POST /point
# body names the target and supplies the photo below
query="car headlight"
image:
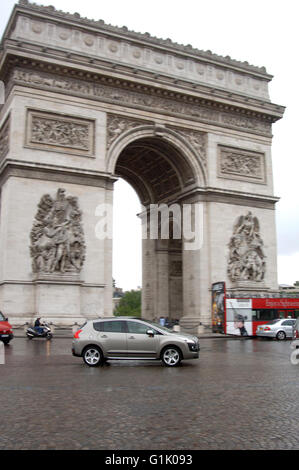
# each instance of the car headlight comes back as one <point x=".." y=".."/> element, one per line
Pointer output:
<point x="192" y="345"/>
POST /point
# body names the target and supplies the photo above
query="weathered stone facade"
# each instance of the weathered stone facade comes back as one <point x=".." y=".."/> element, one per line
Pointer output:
<point x="87" y="102"/>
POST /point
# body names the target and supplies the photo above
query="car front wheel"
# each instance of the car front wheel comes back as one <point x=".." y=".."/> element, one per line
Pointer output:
<point x="171" y="356"/>
<point x="281" y="335"/>
<point x="92" y="356"/>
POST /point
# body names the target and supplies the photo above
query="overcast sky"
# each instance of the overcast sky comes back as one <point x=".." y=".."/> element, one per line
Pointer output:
<point x="261" y="32"/>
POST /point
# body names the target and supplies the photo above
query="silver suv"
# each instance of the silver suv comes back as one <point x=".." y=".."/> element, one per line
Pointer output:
<point x="131" y="338"/>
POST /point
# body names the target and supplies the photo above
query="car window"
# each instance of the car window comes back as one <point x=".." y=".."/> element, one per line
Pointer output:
<point x="98" y="326"/>
<point x="138" y="328"/>
<point x="2" y="318"/>
<point x="110" y="326"/>
<point x="163" y="328"/>
<point x="287" y="323"/>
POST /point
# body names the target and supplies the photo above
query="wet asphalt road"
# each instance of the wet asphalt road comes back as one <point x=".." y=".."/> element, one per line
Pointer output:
<point x="240" y="394"/>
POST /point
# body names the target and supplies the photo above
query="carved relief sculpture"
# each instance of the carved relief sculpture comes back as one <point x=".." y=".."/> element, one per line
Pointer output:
<point x="246" y="256"/>
<point x="117" y="125"/>
<point x="241" y="164"/>
<point x="57" y="238"/>
<point x="198" y="140"/>
<point x="65" y="134"/>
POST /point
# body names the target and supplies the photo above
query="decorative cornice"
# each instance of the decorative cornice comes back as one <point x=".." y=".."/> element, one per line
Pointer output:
<point x="50" y="11"/>
<point x="55" y="35"/>
<point x="138" y="96"/>
<point x="223" y="196"/>
<point x="79" y="65"/>
<point x="60" y="174"/>
<point x="17" y="168"/>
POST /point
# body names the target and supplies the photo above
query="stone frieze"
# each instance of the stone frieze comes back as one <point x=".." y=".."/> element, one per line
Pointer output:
<point x="102" y="90"/>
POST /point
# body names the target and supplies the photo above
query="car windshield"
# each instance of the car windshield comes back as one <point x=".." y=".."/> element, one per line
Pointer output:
<point x="271" y="322"/>
<point x="2" y="318"/>
<point x="156" y="325"/>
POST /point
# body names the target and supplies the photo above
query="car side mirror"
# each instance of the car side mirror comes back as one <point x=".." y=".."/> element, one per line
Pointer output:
<point x="150" y="333"/>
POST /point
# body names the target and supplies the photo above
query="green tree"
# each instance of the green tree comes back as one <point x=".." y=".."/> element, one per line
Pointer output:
<point x="130" y="304"/>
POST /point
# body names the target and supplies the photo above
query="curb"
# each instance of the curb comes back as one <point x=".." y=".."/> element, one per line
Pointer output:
<point x="227" y="337"/>
<point x="208" y="336"/>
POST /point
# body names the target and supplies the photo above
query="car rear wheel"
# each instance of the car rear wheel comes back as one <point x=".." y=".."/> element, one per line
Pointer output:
<point x="171" y="356"/>
<point x="281" y="335"/>
<point x="92" y="356"/>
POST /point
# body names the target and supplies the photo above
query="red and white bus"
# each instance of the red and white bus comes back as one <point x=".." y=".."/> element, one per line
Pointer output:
<point x="241" y="316"/>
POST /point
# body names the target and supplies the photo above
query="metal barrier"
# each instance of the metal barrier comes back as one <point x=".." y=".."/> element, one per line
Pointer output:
<point x="294" y="357"/>
<point x="2" y="353"/>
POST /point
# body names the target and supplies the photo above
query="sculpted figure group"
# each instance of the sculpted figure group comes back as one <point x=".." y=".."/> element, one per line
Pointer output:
<point x="246" y="255"/>
<point x="57" y="239"/>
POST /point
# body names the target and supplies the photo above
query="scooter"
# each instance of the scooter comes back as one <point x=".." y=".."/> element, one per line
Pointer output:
<point x="46" y="333"/>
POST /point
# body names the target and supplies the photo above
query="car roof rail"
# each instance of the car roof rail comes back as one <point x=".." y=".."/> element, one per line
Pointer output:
<point x="116" y="318"/>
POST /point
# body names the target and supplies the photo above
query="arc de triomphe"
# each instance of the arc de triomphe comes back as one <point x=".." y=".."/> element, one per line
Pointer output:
<point x="87" y="102"/>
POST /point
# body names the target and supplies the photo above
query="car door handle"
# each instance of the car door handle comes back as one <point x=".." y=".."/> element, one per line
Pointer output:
<point x="132" y="337"/>
<point x="104" y="336"/>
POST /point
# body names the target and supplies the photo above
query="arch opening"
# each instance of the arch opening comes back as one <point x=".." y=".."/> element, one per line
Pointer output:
<point x="159" y="173"/>
<point x="156" y="169"/>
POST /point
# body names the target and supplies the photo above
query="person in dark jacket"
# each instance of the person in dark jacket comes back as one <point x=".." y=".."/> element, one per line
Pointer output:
<point x="38" y="326"/>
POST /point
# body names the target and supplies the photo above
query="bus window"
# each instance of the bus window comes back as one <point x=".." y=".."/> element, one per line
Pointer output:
<point x="264" y="315"/>
<point x="286" y="313"/>
<point x="273" y="314"/>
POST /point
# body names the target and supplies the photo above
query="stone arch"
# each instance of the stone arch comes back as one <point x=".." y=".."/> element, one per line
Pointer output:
<point x="161" y="165"/>
<point x="166" y="148"/>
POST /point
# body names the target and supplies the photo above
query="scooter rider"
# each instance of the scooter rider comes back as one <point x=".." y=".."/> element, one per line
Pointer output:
<point x="38" y="326"/>
<point x="40" y="330"/>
